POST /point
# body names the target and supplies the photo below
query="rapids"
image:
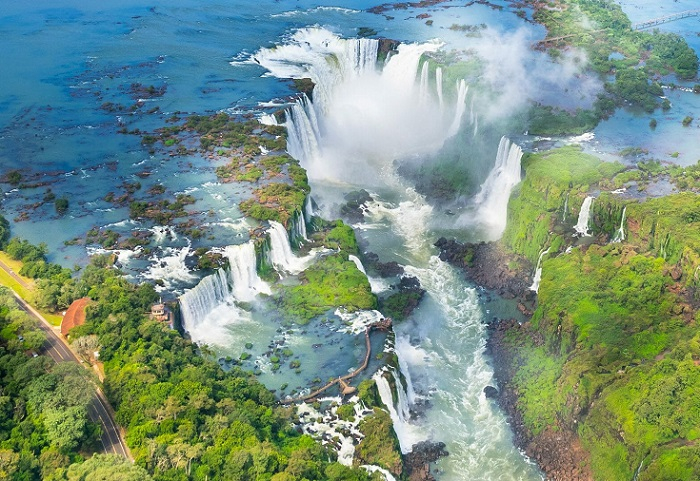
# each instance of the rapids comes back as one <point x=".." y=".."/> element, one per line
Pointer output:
<point x="365" y="119"/>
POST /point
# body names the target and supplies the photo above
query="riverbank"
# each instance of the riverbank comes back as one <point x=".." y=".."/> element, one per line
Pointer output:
<point x="558" y="451"/>
<point x="599" y="383"/>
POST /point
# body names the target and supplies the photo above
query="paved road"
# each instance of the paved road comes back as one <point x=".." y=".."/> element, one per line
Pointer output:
<point x="99" y="409"/>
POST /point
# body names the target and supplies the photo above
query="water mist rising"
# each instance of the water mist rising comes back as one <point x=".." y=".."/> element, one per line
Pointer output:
<point x="367" y="120"/>
<point x="199" y="301"/>
<point x="362" y="118"/>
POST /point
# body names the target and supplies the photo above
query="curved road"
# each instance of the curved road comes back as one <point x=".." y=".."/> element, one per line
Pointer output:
<point x="99" y="409"/>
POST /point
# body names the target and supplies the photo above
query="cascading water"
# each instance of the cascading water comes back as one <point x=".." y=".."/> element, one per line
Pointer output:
<point x="373" y="469"/>
<point x="367" y="121"/>
<point x="537" y="278"/>
<point x="198" y="302"/>
<point x="350" y="95"/>
<point x="584" y="215"/>
<point x="566" y="207"/>
<point x="407" y="434"/>
<point x="302" y="130"/>
<point x="299" y="228"/>
<point x="358" y="263"/>
<point x="491" y="202"/>
<point x="460" y="107"/>
<point x="246" y="283"/>
<point x="438" y="86"/>
<point x="620" y="234"/>
<point x="281" y="255"/>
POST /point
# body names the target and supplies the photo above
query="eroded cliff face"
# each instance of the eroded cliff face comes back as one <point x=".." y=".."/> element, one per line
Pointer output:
<point x="591" y="380"/>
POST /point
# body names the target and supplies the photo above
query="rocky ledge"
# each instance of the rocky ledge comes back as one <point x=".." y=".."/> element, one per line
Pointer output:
<point x="417" y="462"/>
<point x="558" y="452"/>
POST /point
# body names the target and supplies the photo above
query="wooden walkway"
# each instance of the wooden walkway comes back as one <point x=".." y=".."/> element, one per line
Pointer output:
<point x="637" y="26"/>
<point x="382" y="325"/>
<point x="665" y="19"/>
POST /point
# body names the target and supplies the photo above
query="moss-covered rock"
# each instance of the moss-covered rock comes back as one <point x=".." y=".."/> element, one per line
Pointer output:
<point x="380" y="445"/>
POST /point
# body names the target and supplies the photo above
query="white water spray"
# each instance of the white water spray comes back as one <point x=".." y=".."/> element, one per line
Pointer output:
<point x="281" y="255"/>
<point x="491" y="202"/>
<point x="405" y="432"/>
<point x="620" y="234"/>
<point x="372" y="469"/>
<point x="366" y="122"/>
<point x="384" y="110"/>
<point x="358" y="263"/>
<point x="199" y="301"/>
<point x="584" y="215"/>
<point x="244" y="275"/>
<point x="537" y="278"/>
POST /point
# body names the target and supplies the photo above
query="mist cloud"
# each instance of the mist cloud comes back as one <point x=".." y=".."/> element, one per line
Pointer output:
<point x="519" y="75"/>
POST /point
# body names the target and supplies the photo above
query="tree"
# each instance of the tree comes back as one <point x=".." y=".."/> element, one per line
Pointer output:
<point x="34" y="339"/>
<point x="107" y="467"/>
<point x="61" y="205"/>
<point x="66" y="428"/>
<point x="9" y="463"/>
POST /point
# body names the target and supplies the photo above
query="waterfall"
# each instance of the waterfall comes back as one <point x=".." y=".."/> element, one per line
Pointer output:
<point x="358" y="263"/>
<point x="302" y="130"/>
<point x="372" y="469"/>
<point x="404" y="408"/>
<point x="199" y="301"/>
<point x="461" y="106"/>
<point x="404" y="431"/>
<point x="268" y="119"/>
<point x="403" y="348"/>
<point x="538" y="272"/>
<point x="309" y="208"/>
<point x="423" y="88"/>
<point x="299" y="228"/>
<point x="566" y="207"/>
<point x="438" y="86"/>
<point x="476" y="125"/>
<point x="244" y="275"/>
<point x="620" y="234"/>
<point x="584" y="215"/>
<point x="281" y="255"/>
<point x="492" y="199"/>
<point x="352" y="95"/>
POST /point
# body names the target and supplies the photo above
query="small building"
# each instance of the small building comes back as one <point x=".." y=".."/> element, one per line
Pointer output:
<point x="161" y="312"/>
<point x="74" y="316"/>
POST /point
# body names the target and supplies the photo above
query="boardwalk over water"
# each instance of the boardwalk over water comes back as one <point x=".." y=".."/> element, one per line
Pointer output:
<point x="383" y="326"/>
<point x="665" y="19"/>
<point x="637" y="26"/>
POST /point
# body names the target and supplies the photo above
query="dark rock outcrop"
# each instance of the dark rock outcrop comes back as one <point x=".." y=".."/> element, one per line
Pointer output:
<point x="417" y="462"/>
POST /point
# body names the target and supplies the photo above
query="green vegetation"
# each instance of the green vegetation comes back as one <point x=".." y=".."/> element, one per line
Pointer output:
<point x="380" y="445"/>
<point x="186" y="419"/>
<point x="276" y="201"/>
<point x="600" y="28"/>
<point x="612" y="347"/>
<point x="547" y="120"/>
<point x="346" y="412"/>
<point x="537" y="205"/>
<point x="44" y="422"/>
<point x="61" y="205"/>
<point x="331" y="282"/>
<point x="161" y="211"/>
